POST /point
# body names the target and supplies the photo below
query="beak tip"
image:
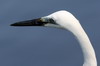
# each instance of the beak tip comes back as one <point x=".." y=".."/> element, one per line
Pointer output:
<point x="12" y="24"/>
<point x="15" y="24"/>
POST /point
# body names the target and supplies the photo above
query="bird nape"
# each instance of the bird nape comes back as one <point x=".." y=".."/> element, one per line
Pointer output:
<point x="64" y="19"/>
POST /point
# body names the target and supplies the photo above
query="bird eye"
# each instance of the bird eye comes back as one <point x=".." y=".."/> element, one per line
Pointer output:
<point x="52" y="21"/>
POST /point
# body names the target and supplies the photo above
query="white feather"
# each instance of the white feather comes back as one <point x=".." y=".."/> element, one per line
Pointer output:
<point x="67" y="21"/>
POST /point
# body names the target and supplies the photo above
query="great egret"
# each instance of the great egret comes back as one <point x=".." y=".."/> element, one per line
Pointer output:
<point x="65" y="20"/>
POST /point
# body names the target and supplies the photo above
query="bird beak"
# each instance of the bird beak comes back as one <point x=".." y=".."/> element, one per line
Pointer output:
<point x="34" y="22"/>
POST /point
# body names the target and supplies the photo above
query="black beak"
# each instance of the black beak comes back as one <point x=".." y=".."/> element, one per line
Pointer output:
<point x="34" y="22"/>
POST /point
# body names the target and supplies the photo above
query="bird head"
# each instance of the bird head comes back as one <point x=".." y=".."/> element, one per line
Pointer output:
<point x="59" y="19"/>
<point x="43" y="21"/>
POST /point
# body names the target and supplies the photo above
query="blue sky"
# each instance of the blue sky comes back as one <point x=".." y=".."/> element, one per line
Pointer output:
<point x="41" y="46"/>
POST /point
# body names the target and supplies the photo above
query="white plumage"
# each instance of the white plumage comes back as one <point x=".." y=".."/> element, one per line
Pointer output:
<point x="69" y="22"/>
<point x="65" y="20"/>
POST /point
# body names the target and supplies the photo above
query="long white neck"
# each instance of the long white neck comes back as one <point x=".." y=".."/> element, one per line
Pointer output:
<point x="68" y="21"/>
<point x="87" y="49"/>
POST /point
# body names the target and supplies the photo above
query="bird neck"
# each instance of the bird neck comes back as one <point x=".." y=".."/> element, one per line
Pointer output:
<point x="87" y="48"/>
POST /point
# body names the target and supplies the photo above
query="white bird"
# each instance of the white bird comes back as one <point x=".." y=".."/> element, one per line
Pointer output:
<point x="65" y="20"/>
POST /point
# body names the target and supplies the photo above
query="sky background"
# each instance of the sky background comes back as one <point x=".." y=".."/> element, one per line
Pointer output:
<point x="41" y="46"/>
